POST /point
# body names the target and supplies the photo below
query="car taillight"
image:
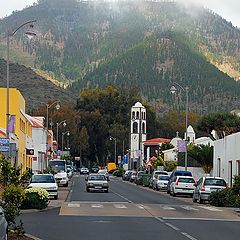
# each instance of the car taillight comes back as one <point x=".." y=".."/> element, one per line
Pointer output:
<point x="177" y="182"/>
<point x="203" y="188"/>
<point x="226" y="185"/>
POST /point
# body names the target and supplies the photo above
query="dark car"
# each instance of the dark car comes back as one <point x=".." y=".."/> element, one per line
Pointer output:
<point x="3" y="225"/>
<point x="176" y="173"/>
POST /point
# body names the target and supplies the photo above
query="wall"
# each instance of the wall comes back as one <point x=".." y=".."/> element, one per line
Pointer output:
<point x="197" y="172"/>
<point x="226" y="158"/>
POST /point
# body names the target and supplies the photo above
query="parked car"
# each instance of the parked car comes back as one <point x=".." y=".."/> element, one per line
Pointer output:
<point x="104" y="172"/>
<point x="182" y="185"/>
<point x="84" y="170"/>
<point x="133" y="177"/>
<point x="124" y="177"/>
<point x="94" y="169"/>
<point x="96" y="181"/>
<point x="69" y="171"/>
<point x="139" y="177"/>
<point x="45" y="181"/>
<point x="205" y="186"/>
<point x="154" y="176"/>
<point x="160" y="182"/>
<point x="3" y="225"/>
<point x="175" y="174"/>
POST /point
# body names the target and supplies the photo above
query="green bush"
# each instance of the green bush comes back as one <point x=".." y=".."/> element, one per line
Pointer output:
<point x="35" y="198"/>
<point x="170" y="166"/>
<point x="118" y="173"/>
<point x="12" y="198"/>
<point x="223" y="198"/>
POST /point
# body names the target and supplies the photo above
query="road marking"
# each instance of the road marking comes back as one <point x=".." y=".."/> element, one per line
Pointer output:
<point x="159" y="219"/>
<point x="201" y="219"/>
<point x="189" y="208"/>
<point x="172" y="226"/>
<point x="101" y="221"/>
<point x="96" y="205"/>
<point x="73" y="205"/>
<point x="211" y="208"/>
<point x="168" y="208"/>
<point x="119" y="206"/>
<point x="140" y="206"/>
<point x="122" y="197"/>
<point x="188" y="236"/>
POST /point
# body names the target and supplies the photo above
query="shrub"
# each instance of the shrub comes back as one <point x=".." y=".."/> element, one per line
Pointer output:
<point x="223" y="198"/>
<point x="12" y="198"/>
<point x="170" y="166"/>
<point x="118" y="173"/>
<point x="35" y="198"/>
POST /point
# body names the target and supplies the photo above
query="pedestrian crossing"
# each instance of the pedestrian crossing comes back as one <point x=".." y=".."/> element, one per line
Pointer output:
<point x="146" y="207"/>
<point x="130" y="209"/>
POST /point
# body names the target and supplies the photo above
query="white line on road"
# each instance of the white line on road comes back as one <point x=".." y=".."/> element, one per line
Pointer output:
<point x="201" y="219"/>
<point x="189" y="208"/>
<point x="122" y="197"/>
<point x="72" y="205"/>
<point x="159" y="219"/>
<point x="172" y="226"/>
<point x="188" y="236"/>
<point x="119" y="206"/>
<point x="168" y="208"/>
<point x="96" y="205"/>
<point x="211" y="208"/>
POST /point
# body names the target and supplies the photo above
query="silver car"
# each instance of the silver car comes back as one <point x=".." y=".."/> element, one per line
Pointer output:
<point x="3" y="226"/>
<point x="161" y="182"/>
<point x="205" y="186"/>
<point x="96" y="182"/>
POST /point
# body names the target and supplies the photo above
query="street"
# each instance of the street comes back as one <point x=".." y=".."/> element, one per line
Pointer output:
<point x="130" y="212"/>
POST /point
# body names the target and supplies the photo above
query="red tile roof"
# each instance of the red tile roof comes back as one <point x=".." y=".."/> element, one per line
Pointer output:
<point x="156" y="141"/>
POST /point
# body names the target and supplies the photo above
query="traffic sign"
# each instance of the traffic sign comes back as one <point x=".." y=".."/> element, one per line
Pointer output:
<point x="4" y="148"/>
<point x="4" y="141"/>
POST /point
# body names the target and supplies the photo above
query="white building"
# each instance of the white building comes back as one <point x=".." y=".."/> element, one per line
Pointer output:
<point x="39" y="143"/>
<point x="226" y="157"/>
<point x="138" y="134"/>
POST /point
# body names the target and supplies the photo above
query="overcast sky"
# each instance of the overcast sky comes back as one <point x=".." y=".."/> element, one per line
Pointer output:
<point x="228" y="9"/>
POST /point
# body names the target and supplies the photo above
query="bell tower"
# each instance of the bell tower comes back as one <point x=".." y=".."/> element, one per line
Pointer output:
<point x="138" y="134"/>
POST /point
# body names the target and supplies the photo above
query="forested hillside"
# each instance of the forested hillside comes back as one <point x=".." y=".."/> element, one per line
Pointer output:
<point x="35" y="89"/>
<point x="147" y="44"/>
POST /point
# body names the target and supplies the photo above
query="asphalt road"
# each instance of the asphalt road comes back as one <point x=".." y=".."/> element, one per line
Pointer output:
<point x="132" y="213"/>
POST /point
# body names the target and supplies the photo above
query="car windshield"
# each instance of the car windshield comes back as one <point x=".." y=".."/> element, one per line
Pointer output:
<point x="186" y="180"/>
<point x="42" y="179"/>
<point x="183" y="174"/>
<point x="162" y="173"/>
<point x="163" y="177"/>
<point x="97" y="177"/>
<point x="215" y="182"/>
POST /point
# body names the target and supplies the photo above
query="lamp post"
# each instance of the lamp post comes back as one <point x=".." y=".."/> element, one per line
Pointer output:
<point x="48" y="106"/>
<point x="115" y="148"/>
<point x="173" y="90"/>
<point x="30" y="34"/>
<point x="58" y="124"/>
<point x="63" y="133"/>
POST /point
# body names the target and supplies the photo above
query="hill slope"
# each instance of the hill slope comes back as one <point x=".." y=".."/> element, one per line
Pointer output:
<point x="35" y="89"/>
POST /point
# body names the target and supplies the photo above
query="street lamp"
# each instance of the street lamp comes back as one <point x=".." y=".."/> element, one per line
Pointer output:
<point x="30" y="33"/>
<point x="173" y="90"/>
<point x="115" y="147"/>
<point x="58" y="124"/>
<point x="48" y="106"/>
<point x="63" y="133"/>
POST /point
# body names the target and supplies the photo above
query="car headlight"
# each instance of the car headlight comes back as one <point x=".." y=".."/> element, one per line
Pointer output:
<point x="90" y="184"/>
<point x="64" y="178"/>
<point x="105" y="184"/>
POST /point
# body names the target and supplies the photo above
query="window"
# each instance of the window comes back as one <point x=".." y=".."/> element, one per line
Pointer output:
<point x="219" y="167"/>
<point x="143" y="128"/>
<point x="133" y="115"/>
<point x="230" y="175"/>
<point x="137" y="114"/>
<point x="135" y="127"/>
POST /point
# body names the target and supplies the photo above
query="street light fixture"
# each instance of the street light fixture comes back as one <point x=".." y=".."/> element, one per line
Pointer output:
<point x="58" y="124"/>
<point x="30" y="33"/>
<point x="115" y="147"/>
<point x="63" y="133"/>
<point x="173" y="90"/>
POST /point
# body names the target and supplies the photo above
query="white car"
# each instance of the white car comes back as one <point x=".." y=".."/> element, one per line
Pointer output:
<point x="182" y="185"/>
<point x="96" y="181"/>
<point x="61" y="178"/>
<point x="84" y="170"/>
<point x="45" y="181"/>
<point x="104" y="172"/>
<point x="160" y="182"/>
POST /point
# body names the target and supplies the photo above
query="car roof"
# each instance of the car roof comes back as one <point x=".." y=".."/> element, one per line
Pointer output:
<point x="43" y="174"/>
<point x="184" y="176"/>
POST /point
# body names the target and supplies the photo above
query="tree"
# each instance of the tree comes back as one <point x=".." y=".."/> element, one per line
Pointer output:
<point x="202" y="154"/>
<point x="223" y="123"/>
<point x="84" y="142"/>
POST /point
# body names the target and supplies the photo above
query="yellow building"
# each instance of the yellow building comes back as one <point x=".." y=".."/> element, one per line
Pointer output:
<point x="23" y="128"/>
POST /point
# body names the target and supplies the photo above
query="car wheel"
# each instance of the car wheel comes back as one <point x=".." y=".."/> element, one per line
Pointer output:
<point x="106" y="191"/>
<point x="87" y="189"/>
<point x="56" y="197"/>
<point x="6" y="236"/>
<point x="66" y="185"/>
<point x="157" y="189"/>
<point x="200" y="199"/>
